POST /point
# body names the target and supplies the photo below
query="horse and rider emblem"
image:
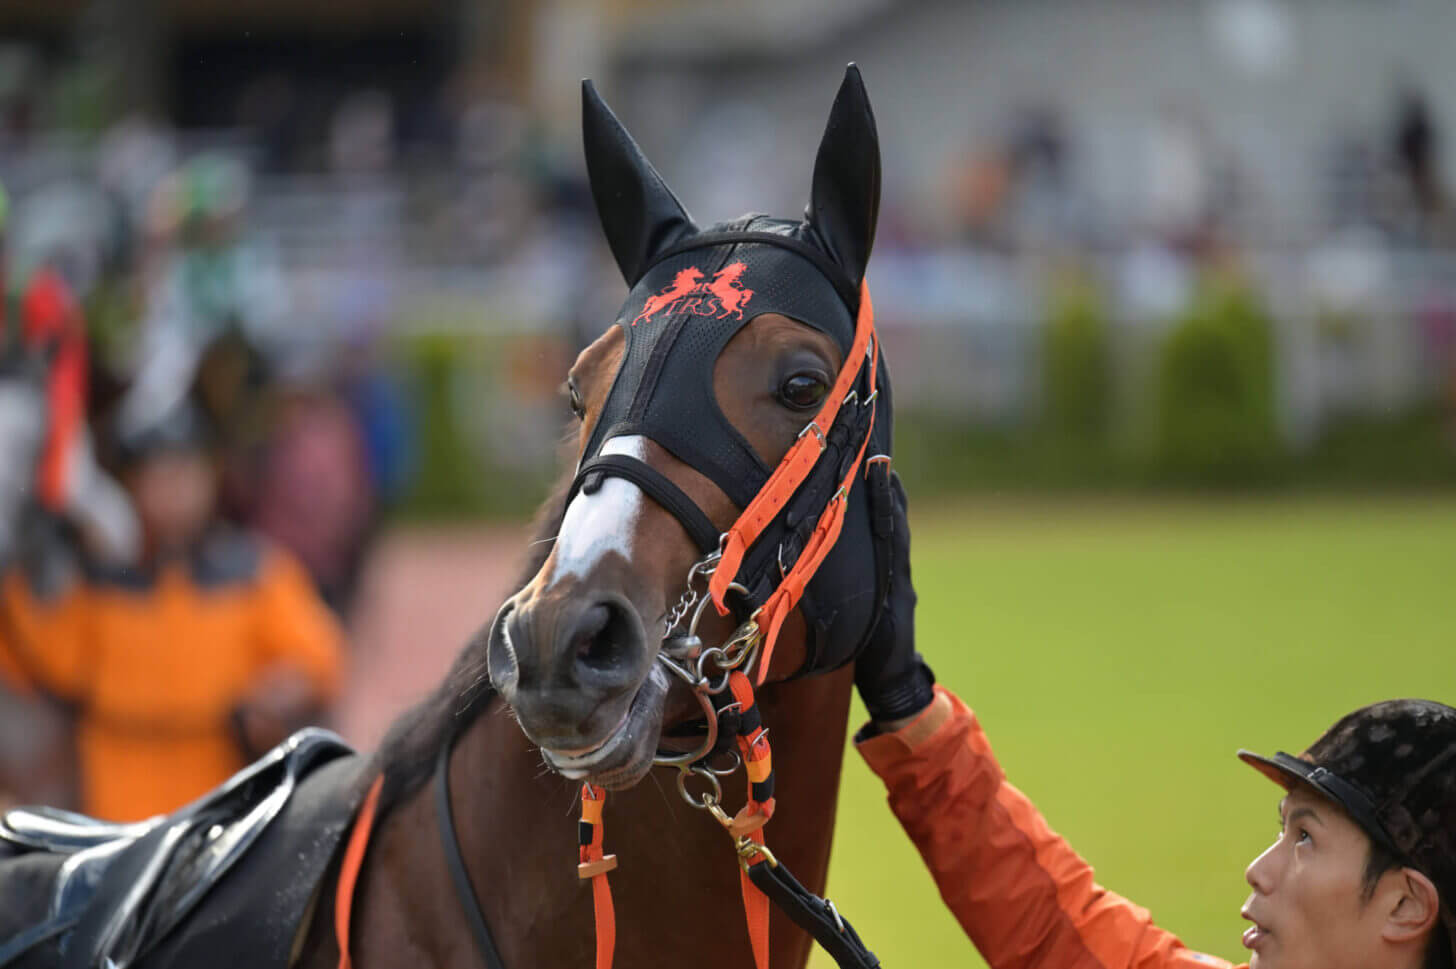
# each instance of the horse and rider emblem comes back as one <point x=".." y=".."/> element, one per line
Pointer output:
<point x="692" y="292"/>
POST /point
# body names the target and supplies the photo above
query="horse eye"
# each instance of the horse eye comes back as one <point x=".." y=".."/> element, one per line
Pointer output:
<point x="577" y="407"/>
<point x="803" y="391"/>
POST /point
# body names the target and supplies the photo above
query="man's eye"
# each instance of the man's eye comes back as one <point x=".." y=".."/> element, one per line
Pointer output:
<point x="803" y="391"/>
<point x="1304" y="836"/>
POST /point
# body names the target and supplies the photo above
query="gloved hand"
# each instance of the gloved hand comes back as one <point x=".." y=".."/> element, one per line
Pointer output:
<point x="892" y="679"/>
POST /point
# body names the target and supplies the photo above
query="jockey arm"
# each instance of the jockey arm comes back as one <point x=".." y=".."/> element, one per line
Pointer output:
<point x="1021" y="893"/>
<point x="1023" y="896"/>
<point x="42" y="638"/>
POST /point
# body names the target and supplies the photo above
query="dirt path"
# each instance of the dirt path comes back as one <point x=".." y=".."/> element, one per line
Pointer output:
<point x="425" y="593"/>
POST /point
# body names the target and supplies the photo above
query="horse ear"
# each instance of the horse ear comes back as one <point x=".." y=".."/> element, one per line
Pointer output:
<point x="845" y="200"/>
<point x="639" y="213"/>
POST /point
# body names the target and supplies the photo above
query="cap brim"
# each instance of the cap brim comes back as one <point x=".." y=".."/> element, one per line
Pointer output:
<point x="1284" y="774"/>
<point x="1286" y="770"/>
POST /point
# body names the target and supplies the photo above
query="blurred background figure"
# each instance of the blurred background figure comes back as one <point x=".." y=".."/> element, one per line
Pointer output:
<point x="313" y="487"/>
<point x="180" y="668"/>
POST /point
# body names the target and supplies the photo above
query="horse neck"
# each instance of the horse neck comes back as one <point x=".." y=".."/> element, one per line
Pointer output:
<point x="676" y="893"/>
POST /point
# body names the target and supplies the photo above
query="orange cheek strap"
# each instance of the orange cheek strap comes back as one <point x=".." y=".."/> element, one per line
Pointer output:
<point x="791" y="472"/>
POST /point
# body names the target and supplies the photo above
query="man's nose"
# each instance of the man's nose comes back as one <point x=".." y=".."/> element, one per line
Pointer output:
<point x="1263" y="872"/>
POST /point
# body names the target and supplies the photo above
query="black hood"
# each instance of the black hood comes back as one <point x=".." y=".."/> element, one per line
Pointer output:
<point x="693" y="289"/>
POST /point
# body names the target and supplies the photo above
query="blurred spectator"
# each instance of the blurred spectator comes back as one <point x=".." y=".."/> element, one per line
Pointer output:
<point x="1178" y="185"/>
<point x="382" y="409"/>
<point x="979" y="184"/>
<point x="203" y="276"/>
<point x="20" y="72"/>
<point x="180" y="669"/>
<point x="361" y="136"/>
<point x="1416" y="146"/>
<point x="311" y="488"/>
<point x="49" y="333"/>
<point x="269" y="106"/>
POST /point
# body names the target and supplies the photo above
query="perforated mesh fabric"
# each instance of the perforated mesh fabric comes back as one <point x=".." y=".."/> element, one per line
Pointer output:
<point x="677" y="320"/>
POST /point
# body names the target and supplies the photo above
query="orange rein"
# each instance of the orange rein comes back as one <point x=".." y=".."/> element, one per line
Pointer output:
<point x="746" y="828"/>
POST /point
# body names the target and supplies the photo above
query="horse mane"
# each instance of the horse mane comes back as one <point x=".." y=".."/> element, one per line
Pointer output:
<point x="406" y="755"/>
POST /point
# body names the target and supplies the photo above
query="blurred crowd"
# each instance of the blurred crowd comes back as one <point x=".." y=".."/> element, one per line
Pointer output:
<point x="185" y="508"/>
<point x="190" y="479"/>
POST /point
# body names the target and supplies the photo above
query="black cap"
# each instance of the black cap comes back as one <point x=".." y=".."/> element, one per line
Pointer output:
<point x="1392" y="767"/>
<point x="182" y="427"/>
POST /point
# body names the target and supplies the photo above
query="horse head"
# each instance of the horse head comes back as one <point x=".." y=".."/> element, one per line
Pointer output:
<point x="683" y="413"/>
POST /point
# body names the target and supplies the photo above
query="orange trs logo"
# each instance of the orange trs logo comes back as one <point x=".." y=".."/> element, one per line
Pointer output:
<point x="691" y="292"/>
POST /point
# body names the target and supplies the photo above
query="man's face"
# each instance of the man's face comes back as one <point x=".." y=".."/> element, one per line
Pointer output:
<point x="1308" y="905"/>
<point x="174" y="493"/>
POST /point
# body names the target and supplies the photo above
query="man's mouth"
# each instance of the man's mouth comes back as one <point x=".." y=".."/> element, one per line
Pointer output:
<point x="1254" y="934"/>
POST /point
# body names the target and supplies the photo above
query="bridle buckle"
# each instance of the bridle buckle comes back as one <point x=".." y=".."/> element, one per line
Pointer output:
<point x="814" y="426"/>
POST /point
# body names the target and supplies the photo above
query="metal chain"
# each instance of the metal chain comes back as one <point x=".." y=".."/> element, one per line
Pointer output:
<point x="684" y="603"/>
<point x="703" y="568"/>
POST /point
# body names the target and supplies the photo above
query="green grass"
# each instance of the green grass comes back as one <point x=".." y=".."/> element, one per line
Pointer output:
<point x="1118" y="653"/>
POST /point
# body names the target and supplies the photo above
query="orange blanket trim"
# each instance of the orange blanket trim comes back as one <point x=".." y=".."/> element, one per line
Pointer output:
<point x="349" y="873"/>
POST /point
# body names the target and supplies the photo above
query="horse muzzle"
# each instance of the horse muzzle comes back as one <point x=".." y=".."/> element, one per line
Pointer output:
<point x="578" y="671"/>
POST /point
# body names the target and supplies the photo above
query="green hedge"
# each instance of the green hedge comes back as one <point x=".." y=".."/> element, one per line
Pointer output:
<point x="447" y="373"/>
<point x="1076" y="364"/>
<point x="1215" y="418"/>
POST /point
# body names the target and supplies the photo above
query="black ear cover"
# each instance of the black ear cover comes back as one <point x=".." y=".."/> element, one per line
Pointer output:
<point x="640" y="215"/>
<point x="844" y="203"/>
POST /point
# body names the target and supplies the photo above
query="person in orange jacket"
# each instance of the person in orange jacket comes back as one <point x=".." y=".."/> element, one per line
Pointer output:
<point x="1361" y="876"/>
<point x="180" y="669"/>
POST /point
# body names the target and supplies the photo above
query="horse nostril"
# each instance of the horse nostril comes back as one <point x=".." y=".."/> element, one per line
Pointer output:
<point x="500" y="656"/>
<point x="602" y="637"/>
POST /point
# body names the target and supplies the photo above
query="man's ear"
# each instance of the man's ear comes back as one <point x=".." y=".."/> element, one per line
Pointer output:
<point x="1413" y="906"/>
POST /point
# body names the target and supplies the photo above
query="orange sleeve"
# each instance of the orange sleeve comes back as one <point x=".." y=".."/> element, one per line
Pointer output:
<point x="295" y="627"/>
<point x="42" y="643"/>
<point x="1021" y="893"/>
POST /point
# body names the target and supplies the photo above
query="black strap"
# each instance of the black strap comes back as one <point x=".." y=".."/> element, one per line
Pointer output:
<point x="656" y="485"/>
<point x="814" y="915"/>
<point x="464" y="891"/>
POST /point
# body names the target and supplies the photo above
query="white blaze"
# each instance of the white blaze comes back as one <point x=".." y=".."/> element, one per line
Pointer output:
<point x="603" y="521"/>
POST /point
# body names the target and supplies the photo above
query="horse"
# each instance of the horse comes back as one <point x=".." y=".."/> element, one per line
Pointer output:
<point x="584" y="678"/>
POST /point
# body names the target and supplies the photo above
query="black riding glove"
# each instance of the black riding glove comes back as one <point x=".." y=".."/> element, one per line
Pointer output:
<point x="892" y="679"/>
